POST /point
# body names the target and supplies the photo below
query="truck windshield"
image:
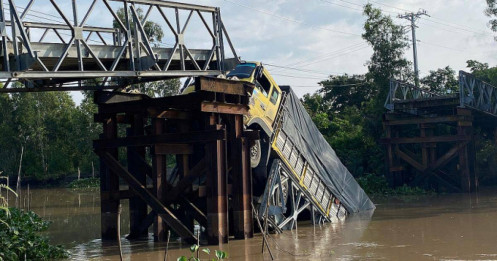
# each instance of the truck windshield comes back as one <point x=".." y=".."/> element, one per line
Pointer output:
<point x="243" y="70"/>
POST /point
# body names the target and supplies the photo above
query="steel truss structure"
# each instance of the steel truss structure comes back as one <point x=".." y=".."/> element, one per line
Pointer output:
<point x="473" y="93"/>
<point x="477" y="94"/>
<point x="89" y="60"/>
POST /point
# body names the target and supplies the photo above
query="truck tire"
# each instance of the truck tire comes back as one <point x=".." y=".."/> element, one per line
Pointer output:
<point x="259" y="170"/>
<point x="255" y="154"/>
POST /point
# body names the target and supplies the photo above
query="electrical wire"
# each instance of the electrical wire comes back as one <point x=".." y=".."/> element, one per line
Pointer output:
<point x="332" y="86"/>
<point x="295" y="69"/>
<point x="298" y="77"/>
<point x="441" y="46"/>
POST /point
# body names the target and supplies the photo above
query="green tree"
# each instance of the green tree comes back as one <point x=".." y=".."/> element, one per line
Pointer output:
<point x="491" y="11"/>
<point x="344" y="90"/>
<point x="155" y="34"/>
<point x="318" y="109"/>
<point x="441" y="81"/>
<point x="389" y="42"/>
<point x="152" y="29"/>
<point x="483" y="72"/>
<point x="159" y="88"/>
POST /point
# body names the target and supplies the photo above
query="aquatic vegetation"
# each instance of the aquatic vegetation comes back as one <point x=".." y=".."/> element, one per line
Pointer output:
<point x="20" y="238"/>
<point x="195" y="251"/>
<point x="85" y="183"/>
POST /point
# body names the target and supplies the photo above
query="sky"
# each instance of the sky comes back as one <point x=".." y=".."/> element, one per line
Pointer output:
<point x="303" y="42"/>
<point x="317" y="38"/>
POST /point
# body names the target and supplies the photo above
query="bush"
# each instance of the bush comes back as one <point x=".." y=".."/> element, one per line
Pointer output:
<point x="20" y="239"/>
<point x="85" y="183"/>
<point x="378" y="185"/>
<point x="373" y="184"/>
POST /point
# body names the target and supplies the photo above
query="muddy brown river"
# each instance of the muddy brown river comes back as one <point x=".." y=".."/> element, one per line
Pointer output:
<point x="437" y="227"/>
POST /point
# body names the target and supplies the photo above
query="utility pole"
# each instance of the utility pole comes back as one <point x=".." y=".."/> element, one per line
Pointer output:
<point x="412" y="17"/>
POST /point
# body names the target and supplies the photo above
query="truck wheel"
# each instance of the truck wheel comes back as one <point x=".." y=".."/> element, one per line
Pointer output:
<point x="255" y="154"/>
<point x="258" y="161"/>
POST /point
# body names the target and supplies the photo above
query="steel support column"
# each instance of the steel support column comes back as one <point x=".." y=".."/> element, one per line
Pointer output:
<point x="109" y="187"/>
<point x="158" y="179"/>
<point x="464" y="128"/>
<point x="242" y="184"/>
<point x="217" y="201"/>
<point x="137" y="207"/>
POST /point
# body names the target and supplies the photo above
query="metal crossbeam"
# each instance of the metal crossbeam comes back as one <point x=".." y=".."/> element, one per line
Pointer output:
<point x="116" y="54"/>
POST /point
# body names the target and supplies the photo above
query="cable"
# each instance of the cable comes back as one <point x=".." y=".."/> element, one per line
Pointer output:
<point x="290" y="19"/>
<point x="299" y="77"/>
<point x="441" y="46"/>
<point x="300" y="61"/>
<point x="333" y="3"/>
<point x="446" y="23"/>
<point x="295" y="69"/>
<point x="332" y="86"/>
<point x="335" y="56"/>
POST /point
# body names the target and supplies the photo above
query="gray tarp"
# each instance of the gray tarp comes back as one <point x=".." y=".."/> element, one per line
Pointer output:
<point x="298" y="124"/>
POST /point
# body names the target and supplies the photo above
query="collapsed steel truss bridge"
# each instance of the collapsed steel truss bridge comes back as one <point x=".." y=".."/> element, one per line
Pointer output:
<point x="432" y="134"/>
<point x="70" y="53"/>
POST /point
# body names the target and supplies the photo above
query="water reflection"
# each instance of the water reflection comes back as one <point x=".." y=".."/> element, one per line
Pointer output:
<point x="443" y="227"/>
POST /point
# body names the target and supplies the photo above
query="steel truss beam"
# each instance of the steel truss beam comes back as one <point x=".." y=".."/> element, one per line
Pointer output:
<point x="81" y="51"/>
<point x="473" y="93"/>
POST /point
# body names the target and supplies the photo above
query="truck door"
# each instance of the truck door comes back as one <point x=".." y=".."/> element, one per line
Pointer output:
<point x="266" y="99"/>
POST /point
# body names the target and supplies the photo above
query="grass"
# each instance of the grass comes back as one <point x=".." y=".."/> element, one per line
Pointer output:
<point x="85" y="183"/>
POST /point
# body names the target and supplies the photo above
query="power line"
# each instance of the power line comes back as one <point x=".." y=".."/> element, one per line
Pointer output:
<point x="325" y="54"/>
<point x="290" y="19"/>
<point x="300" y="77"/>
<point x="335" y="56"/>
<point x="441" y="46"/>
<point x="445" y="23"/>
<point x="297" y="69"/>
<point x="332" y="86"/>
<point x="337" y="4"/>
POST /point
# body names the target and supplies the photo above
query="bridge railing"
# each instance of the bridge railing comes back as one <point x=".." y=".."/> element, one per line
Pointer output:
<point x="401" y="91"/>
<point x="74" y="42"/>
<point x="477" y="94"/>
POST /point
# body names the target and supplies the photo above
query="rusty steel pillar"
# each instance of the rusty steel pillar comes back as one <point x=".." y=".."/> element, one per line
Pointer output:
<point x="242" y="184"/>
<point x="158" y="180"/>
<point x="137" y="206"/>
<point x="109" y="186"/>
<point x="464" y="128"/>
<point x="217" y="200"/>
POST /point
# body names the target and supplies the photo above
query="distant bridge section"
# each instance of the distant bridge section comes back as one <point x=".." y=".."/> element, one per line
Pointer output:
<point x="67" y="52"/>
<point x="430" y="138"/>
<point x="473" y="93"/>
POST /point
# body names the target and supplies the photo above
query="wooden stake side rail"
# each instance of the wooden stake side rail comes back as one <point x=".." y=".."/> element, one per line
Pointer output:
<point x="204" y="131"/>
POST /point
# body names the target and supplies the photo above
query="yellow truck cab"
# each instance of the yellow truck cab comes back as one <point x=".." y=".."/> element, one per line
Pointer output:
<point x="265" y="98"/>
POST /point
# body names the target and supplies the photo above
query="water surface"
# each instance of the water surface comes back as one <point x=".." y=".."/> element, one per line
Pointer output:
<point x="437" y="227"/>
